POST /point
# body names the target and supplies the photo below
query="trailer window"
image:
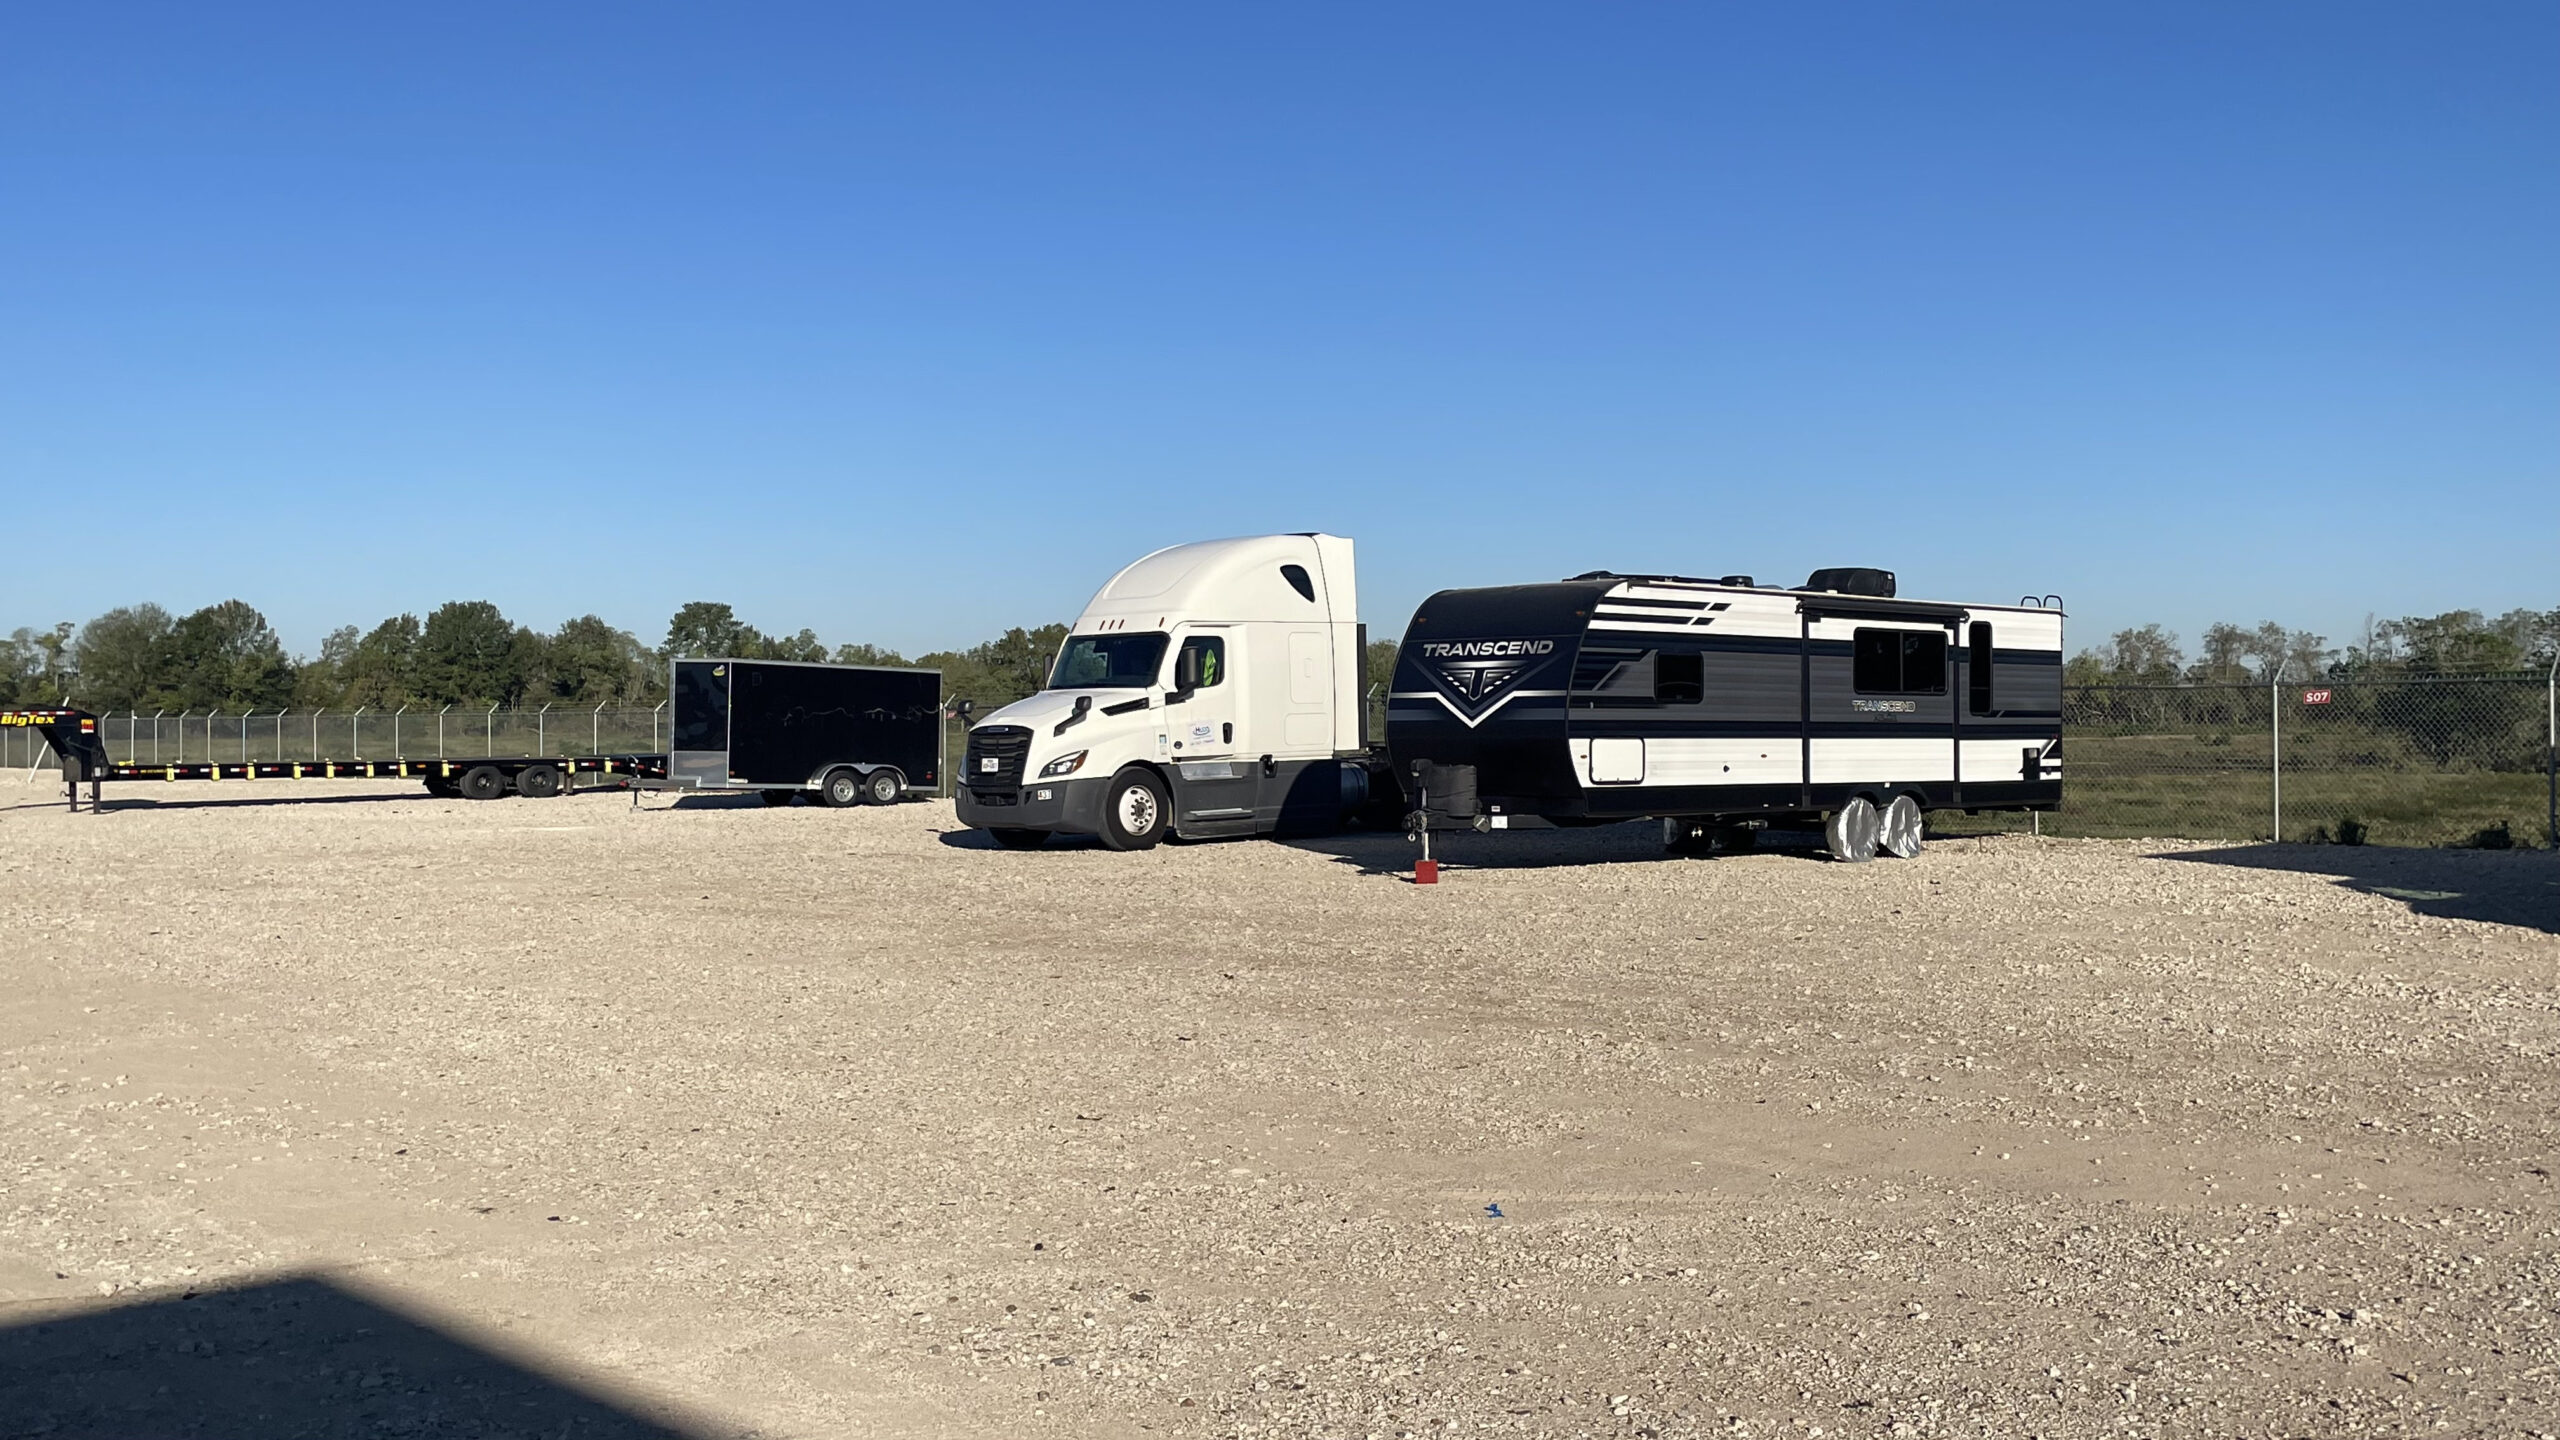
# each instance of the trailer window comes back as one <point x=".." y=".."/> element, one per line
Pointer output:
<point x="1109" y="661"/>
<point x="1977" y="667"/>
<point x="1679" y="679"/>
<point x="1899" y="662"/>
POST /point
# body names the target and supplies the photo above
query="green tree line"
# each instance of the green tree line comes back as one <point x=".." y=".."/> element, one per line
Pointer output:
<point x="465" y="652"/>
<point x="2458" y="642"/>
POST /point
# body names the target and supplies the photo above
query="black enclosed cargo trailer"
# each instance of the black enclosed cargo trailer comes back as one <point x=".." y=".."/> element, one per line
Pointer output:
<point x="850" y="733"/>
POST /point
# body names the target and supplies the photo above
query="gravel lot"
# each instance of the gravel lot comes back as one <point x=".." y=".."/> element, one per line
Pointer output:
<point x="807" y="1122"/>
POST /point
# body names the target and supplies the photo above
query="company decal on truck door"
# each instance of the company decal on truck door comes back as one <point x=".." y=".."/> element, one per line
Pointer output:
<point x="1474" y="678"/>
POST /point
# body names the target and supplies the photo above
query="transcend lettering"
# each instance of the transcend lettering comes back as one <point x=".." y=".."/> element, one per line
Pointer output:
<point x="1485" y="649"/>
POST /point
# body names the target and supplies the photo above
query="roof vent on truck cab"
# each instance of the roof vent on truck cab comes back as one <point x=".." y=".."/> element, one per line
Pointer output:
<point x="1853" y="580"/>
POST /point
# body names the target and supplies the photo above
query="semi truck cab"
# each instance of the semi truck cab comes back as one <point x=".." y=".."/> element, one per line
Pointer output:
<point x="1211" y="689"/>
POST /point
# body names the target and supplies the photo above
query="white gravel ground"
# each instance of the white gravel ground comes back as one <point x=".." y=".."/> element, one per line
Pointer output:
<point x="808" y="1122"/>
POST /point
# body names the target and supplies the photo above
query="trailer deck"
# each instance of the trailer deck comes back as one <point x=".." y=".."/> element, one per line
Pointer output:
<point x="82" y="755"/>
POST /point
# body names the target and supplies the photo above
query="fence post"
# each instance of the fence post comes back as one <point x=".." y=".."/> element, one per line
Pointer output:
<point x="280" y="714"/>
<point x="440" y="732"/>
<point x="182" y="737"/>
<point x="489" y="732"/>
<point x="355" y="736"/>
<point x="396" y="751"/>
<point x="2275" y="749"/>
<point x="653" y="726"/>
<point x="595" y="731"/>
<point x="540" y="717"/>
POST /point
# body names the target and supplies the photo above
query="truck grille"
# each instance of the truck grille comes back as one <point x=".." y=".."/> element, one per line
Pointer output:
<point x="1008" y="746"/>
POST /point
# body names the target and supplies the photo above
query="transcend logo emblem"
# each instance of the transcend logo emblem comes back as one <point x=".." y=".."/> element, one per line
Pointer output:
<point x="1485" y="649"/>
<point x="1471" y="679"/>
<point x="1886" y="707"/>
<point x="1479" y="681"/>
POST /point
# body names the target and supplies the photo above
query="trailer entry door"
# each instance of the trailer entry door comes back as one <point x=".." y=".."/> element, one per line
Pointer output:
<point x="698" y="743"/>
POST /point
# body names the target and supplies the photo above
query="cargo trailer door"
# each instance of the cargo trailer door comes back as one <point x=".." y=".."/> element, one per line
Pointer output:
<point x="698" y="745"/>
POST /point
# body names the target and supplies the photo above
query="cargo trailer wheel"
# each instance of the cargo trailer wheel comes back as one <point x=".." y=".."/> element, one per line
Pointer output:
<point x="1902" y="825"/>
<point x="777" y="797"/>
<point x="482" y="782"/>
<point x="1134" y="810"/>
<point x="538" y="782"/>
<point x="1853" y="830"/>
<point x="1020" y="839"/>
<point x="883" y="787"/>
<point x="841" y="788"/>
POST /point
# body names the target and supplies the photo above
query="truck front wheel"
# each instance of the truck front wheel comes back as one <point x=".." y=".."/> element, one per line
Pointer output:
<point x="1135" y="810"/>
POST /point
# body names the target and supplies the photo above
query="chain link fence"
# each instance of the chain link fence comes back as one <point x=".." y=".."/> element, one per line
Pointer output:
<point x="2455" y="761"/>
<point x="2462" y="760"/>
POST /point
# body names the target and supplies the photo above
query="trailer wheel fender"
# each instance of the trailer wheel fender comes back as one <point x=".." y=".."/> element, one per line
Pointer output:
<point x="538" y="782"/>
<point x="884" y="786"/>
<point x="841" y="787"/>
<point x="482" y="782"/>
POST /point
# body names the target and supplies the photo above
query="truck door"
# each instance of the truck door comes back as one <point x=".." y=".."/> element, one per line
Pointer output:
<point x="1214" y="774"/>
<point x="1204" y="716"/>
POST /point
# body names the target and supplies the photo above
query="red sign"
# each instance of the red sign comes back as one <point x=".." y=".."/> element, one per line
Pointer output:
<point x="2315" y="697"/>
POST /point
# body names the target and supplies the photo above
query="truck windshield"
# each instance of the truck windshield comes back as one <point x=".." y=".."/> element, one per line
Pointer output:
<point x="1098" y="661"/>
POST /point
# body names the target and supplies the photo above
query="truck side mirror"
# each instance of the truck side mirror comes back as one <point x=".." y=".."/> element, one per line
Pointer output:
<point x="1186" y="669"/>
<point x="964" y="709"/>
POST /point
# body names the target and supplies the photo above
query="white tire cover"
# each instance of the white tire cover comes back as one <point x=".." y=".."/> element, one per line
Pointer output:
<point x="1852" y="831"/>
<point x="1902" y="826"/>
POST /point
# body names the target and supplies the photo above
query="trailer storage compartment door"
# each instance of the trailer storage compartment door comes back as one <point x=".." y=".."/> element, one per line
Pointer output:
<point x="698" y="745"/>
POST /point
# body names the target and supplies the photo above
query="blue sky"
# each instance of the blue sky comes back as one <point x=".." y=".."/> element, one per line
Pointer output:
<point x="908" y="326"/>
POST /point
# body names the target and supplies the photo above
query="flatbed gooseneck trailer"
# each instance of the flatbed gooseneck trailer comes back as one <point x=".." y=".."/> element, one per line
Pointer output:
<point x="842" y="734"/>
<point x="83" y="756"/>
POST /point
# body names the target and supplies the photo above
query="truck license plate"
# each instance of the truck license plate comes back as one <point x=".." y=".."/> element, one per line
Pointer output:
<point x="987" y="763"/>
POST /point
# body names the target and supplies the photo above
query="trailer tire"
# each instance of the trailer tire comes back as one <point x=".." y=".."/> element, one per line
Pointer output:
<point x="1903" y="827"/>
<point x="482" y="782"/>
<point x="1010" y="839"/>
<point x="841" y="788"/>
<point x="883" y="786"/>
<point x="777" y="797"/>
<point x="1135" y="810"/>
<point x="538" y="782"/>
<point x="1852" y="831"/>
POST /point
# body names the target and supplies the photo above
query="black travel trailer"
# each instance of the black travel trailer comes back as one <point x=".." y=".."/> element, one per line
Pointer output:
<point x="849" y="734"/>
<point x="1723" y="706"/>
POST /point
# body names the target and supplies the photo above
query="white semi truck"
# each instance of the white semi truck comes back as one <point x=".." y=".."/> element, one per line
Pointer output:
<point x="1211" y="689"/>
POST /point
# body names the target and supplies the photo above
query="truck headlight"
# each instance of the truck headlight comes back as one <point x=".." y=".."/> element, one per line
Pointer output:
<point x="1063" y="765"/>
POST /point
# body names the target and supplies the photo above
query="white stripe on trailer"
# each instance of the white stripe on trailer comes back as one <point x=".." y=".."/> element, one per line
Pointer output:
<point x="1992" y="761"/>
<point x="1885" y="760"/>
<point x="1686" y="762"/>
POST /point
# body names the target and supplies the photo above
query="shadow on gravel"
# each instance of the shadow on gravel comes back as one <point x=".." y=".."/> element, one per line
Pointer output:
<point x="2517" y="887"/>
<point x="284" y="1360"/>
<point x="1387" y="852"/>
<point x="968" y="839"/>
<point x="114" y="802"/>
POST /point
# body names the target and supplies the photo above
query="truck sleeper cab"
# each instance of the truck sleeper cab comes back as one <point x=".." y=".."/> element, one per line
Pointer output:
<point x="1210" y="689"/>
